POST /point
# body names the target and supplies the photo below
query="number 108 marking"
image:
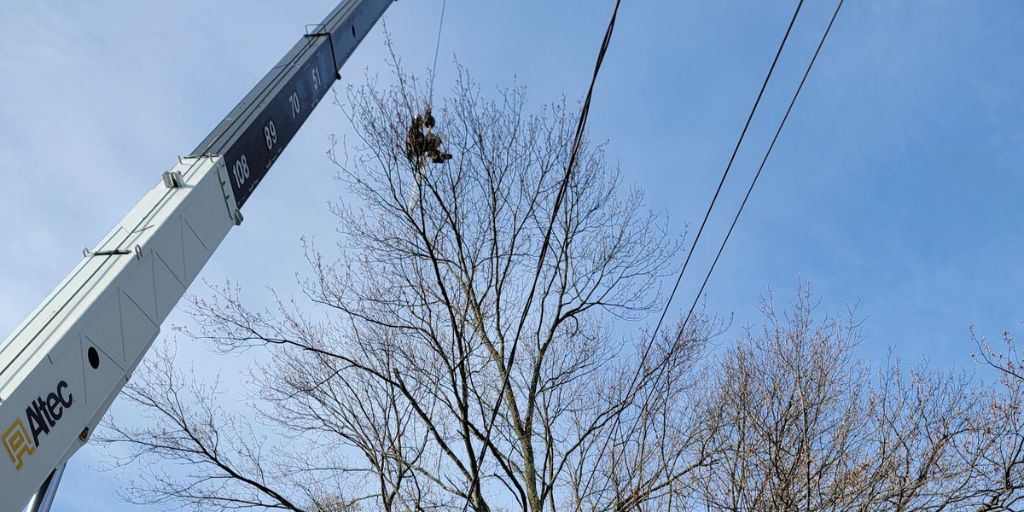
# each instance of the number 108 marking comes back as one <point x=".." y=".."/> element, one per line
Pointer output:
<point x="241" y="170"/>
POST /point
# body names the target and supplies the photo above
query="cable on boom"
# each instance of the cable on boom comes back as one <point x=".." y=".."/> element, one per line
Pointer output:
<point x="437" y="47"/>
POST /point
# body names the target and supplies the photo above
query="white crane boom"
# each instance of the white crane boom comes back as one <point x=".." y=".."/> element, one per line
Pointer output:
<point x="66" y="363"/>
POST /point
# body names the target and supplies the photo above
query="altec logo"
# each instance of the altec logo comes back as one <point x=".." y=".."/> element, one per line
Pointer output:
<point x="42" y="414"/>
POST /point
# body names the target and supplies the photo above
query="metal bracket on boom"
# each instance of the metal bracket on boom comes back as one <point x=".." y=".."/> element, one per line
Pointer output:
<point x="173" y="179"/>
<point x="113" y="252"/>
<point x="330" y="40"/>
<point x="116" y="252"/>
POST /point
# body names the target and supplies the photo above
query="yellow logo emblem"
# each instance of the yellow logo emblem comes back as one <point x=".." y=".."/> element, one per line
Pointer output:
<point x="17" y="443"/>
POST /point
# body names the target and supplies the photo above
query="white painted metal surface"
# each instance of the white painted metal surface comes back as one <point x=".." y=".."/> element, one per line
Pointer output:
<point x="65" y="364"/>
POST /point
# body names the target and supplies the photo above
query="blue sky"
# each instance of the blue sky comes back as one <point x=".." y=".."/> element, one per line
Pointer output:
<point x="897" y="185"/>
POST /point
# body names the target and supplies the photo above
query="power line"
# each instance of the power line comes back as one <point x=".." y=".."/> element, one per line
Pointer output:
<point x="581" y="126"/>
<point x="682" y="327"/>
<point x="764" y="160"/>
<point x="721" y="182"/>
<point x="556" y="207"/>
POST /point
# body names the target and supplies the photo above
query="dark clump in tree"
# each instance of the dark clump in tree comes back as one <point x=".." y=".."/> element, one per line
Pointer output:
<point x="422" y="143"/>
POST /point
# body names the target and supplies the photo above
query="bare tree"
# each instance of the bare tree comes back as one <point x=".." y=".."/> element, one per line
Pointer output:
<point x="207" y="458"/>
<point x="1006" y="359"/>
<point x="475" y="342"/>
<point x="788" y="398"/>
<point x="805" y="426"/>
<point x="1004" y="462"/>
<point x="471" y="345"/>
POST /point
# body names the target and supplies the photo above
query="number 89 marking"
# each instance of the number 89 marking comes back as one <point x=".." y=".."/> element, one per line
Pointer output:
<point x="270" y="134"/>
<point x="240" y="170"/>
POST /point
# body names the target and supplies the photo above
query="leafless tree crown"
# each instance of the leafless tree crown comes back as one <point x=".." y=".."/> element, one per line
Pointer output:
<point x="437" y="361"/>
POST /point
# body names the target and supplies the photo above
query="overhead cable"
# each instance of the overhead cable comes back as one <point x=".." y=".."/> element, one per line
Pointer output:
<point x="764" y="160"/>
<point x="556" y="207"/>
<point x="721" y="182"/>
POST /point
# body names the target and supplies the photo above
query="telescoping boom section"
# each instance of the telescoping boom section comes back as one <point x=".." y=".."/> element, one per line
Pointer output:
<point x="63" y="366"/>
